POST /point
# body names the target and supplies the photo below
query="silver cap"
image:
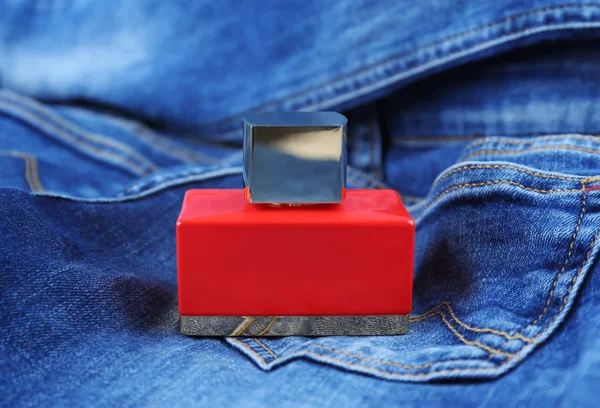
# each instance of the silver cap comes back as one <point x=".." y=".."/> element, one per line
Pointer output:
<point x="295" y="157"/>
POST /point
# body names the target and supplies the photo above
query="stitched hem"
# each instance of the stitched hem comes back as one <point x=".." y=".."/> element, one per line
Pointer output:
<point x="404" y="65"/>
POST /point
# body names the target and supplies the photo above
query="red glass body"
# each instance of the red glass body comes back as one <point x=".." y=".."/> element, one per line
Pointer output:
<point x="240" y="259"/>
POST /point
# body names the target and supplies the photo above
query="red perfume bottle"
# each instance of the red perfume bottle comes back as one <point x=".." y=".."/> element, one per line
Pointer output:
<point x="294" y="253"/>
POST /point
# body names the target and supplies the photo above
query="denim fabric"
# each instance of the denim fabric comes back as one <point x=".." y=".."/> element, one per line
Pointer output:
<point x="482" y="114"/>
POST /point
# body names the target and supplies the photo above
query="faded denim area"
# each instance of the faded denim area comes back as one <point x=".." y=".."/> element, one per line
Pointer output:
<point x="482" y="114"/>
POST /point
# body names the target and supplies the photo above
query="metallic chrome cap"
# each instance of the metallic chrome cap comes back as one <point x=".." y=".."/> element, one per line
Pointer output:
<point x="295" y="157"/>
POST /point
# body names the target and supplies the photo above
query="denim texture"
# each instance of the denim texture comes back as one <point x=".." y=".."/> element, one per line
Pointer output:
<point x="483" y="115"/>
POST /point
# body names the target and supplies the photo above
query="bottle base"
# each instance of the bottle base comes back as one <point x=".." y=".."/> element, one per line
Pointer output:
<point x="277" y="326"/>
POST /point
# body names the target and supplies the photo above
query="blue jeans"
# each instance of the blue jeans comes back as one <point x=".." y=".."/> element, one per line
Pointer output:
<point x="483" y="115"/>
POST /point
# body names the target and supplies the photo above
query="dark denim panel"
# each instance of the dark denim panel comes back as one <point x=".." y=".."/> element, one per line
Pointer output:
<point x="217" y="60"/>
<point x="544" y="90"/>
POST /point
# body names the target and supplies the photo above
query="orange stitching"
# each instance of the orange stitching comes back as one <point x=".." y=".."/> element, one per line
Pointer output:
<point x="268" y="350"/>
<point x="335" y="360"/>
<point x="31" y="170"/>
<point x="531" y="149"/>
<point x="251" y="350"/>
<point x="488" y="183"/>
<point x="434" y="139"/>
<point x="473" y="329"/>
<point x="562" y="271"/>
<point x="589" y="138"/>
<point x="391" y="373"/>
<point x="566" y="298"/>
<point x="244" y="325"/>
<point x="266" y="329"/>
<point x="376" y="360"/>
<point x="469" y="342"/>
<point x="503" y="166"/>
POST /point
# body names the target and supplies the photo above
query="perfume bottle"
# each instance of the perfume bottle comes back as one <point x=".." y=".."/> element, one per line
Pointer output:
<point x="294" y="253"/>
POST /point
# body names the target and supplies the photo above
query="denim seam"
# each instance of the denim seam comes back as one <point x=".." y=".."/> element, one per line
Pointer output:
<point x="161" y="178"/>
<point x="408" y="375"/>
<point x="74" y="128"/>
<point x="386" y="362"/>
<point x="31" y="169"/>
<point x="353" y="355"/>
<point x="562" y="271"/>
<point x="394" y="59"/>
<point x="268" y="350"/>
<point x="439" y="139"/>
<point x="531" y="149"/>
<point x="164" y="145"/>
<point x="587" y="138"/>
<point x="227" y="171"/>
<point x="247" y="347"/>
<point x="503" y="166"/>
<point x="481" y="139"/>
<point x="345" y="363"/>
<point x="492" y="182"/>
<point x="367" y="179"/>
<point x="572" y="284"/>
<point x="60" y="123"/>
<point x="477" y="344"/>
<point x="570" y="288"/>
<point x="92" y="150"/>
<point x="504" y="334"/>
<point x="140" y="186"/>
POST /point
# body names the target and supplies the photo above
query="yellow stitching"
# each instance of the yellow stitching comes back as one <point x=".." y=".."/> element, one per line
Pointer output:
<point x="531" y="149"/>
<point x="566" y="298"/>
<point x="251" y="350"/>
<point x="268" y="350"/>
<point x="266" y="329"/>
<point x="590" y="138"/>
<point x="571" y="245"/>
<point x="467" y="327"/>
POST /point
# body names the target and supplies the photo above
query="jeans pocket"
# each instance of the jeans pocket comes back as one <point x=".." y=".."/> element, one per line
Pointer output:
<point x="502" y="249"/>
